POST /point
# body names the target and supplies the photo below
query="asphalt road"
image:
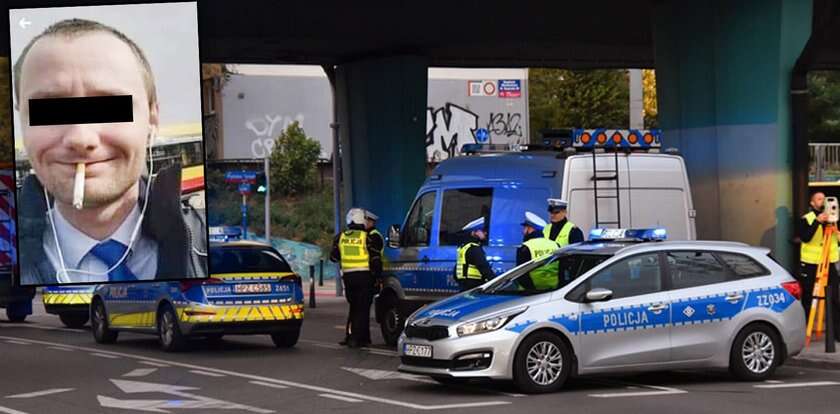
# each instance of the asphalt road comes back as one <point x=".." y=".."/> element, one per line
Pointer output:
<point x="45" y="368"/>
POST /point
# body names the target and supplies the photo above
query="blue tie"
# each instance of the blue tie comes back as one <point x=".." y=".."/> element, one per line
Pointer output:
<point x="110" y="252"/>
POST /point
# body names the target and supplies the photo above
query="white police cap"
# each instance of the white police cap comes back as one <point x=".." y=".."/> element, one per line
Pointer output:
<point x="556" y="203"/>
<point x="355" y="216"/>
<point x="477" y="224"/>
<point x="370" y="216"/>
<point x="534" y="221"/>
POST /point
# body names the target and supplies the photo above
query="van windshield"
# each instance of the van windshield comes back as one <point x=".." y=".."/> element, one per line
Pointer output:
<point x="545" y="274"/>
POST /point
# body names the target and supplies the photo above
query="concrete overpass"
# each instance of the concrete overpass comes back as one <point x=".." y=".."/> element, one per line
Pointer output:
<point x="724" y="69"/>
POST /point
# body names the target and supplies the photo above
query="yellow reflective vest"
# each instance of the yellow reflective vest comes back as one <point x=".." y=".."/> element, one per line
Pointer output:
<point x="563" y="237"/>
<point x="354" y="253"/>
<point x="464" y="270"/>
<point x="810" y="252"/>
<point x="544" y="277"/>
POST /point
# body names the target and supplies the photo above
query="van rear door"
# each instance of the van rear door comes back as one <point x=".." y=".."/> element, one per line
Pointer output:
<point x="660" y="195"/>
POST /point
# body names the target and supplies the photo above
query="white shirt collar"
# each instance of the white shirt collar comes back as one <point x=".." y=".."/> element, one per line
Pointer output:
<point x="75" y="245"/>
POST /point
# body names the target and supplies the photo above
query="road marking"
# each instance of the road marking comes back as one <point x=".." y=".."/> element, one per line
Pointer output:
<point x="209" y="374"/>
<point x="798" y="384"/>
<point x="773" y="381"/>
<point x="660" y="391"/>
<point x="140" y="372"/>
<point x="379" y="374"/>
<point x="101" y="355"/>
<point x="40" y="393"/>
<point x="315" y="388"/>
<point x="7" y="410"/>
<point x="154" y="364"/>
<point x="377" y="351"/>
<point x="268" y="384"/>
<point x="18" y="342"/>
<point x="340" y="398"/>
<point x="186" y="400"/>
<point x="60" y="348"/>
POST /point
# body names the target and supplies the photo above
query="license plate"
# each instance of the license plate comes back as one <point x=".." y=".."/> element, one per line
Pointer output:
<point x="422" y="351"/>
<point x="252" y="288"/>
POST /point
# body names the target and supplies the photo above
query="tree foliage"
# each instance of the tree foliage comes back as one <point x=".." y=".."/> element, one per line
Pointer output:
<point x="560" y="98"/>
<point x="824" y="106"/>
<point x="649" y="98"/>
<point x="294" y="159"/>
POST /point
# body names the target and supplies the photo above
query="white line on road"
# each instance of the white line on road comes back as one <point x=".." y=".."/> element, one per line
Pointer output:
<point x="40" y="393"/>
<point x="7" y="410"/>
<point x="773" y="381"/>
<point x="60" y="348"/>
<point x="140" y="372"/>
<point x="340" y="398"/>
<point x="205" y="373"/>
<point x="798" y="384"/>
<point x="268" y="384"/>
<point x="659" y="391"/>
<point x="101" y="355"/>
<point x="12" y="341"/>
<point x="154" y="364"/>
<point x="377" y="351"/>
<point x="300" y="385"/>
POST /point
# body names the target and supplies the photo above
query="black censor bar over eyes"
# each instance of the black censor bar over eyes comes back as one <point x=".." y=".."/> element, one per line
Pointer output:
<point x="80" y="110"/>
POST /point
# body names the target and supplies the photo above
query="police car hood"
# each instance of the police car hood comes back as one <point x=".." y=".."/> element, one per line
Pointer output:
<point x="470" y="305"/>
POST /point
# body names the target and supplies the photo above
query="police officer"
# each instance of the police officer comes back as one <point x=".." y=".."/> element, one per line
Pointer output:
<point x="561" y="230"/>
<point x="534" y="246"/>
<point x="471" y="267"/>
<point x="811" y="228"/>
<point x="360" y="266"/>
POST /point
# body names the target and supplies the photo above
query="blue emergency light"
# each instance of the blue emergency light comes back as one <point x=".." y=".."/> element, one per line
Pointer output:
<point x="628" y="234"/>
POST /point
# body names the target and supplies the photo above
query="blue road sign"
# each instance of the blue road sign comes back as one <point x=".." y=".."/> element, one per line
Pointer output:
<point x="241" y="176"/>
<point x="482" y="135"/>
<point x="244" y="188"/>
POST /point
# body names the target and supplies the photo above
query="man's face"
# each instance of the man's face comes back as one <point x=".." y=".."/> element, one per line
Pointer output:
<point x="480" y="234"/>
<point x="369" y="224"/>
<point x="557" y="215"/>
<point x="817" y="201"/>
<point x="92" y="64"/>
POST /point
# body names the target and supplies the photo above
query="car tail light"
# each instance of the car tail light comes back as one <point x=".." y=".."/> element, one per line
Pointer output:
<point x="794" y="289"/>
<point x="292" y="278"/>
<point x="189" y="284"/>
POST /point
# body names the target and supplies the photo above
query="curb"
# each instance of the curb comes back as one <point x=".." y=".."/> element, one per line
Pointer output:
<point x="819" y="359"/>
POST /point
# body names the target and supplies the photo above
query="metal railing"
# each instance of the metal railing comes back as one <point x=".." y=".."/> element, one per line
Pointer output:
<point x="824" y="162"/>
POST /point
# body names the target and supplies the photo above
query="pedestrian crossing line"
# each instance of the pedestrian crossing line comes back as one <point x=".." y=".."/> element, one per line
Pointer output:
<point x="96" y="354"/>
<point x="207" y="374"/>
<point x="59" y="348"/>
<point x="6" y="410"/>
<point x="154" y="364"/>
<point x="268" y="384"/>
<point x="798" y="384"/>
<point x="340" y="398"/>
<point x="140" y="372"/>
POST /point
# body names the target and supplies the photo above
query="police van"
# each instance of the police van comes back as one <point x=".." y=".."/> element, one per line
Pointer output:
<point x="610" y="178"/>
<point x="618" y="304"/>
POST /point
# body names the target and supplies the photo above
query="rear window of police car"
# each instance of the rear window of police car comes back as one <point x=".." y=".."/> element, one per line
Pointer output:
<point x="247" y="260"/>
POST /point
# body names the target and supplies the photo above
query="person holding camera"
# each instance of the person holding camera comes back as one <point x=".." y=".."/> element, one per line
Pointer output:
<point x="811" y="228"/>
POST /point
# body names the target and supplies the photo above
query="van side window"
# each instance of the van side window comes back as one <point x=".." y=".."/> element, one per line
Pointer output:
<point x="461" y="206"/>
<point x="418" y="228"/>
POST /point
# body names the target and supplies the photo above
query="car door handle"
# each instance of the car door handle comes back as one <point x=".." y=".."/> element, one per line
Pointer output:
<point x="734" y="297"/>
<point x="659" y="307"/>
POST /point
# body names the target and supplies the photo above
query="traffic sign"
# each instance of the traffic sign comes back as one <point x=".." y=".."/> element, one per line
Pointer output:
<point x="244" y="188"/>
<point x="241" y="177"/>
<point x="482" y="135"/>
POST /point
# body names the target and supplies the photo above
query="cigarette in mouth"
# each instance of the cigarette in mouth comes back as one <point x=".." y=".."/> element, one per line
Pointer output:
<point x="79" y="186"/>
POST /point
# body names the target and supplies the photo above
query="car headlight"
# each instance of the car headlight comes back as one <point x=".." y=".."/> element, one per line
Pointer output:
<point x="487" y="325"/>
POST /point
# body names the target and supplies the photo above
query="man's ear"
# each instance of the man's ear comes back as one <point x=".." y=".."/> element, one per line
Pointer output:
<point x="154" y="121"/>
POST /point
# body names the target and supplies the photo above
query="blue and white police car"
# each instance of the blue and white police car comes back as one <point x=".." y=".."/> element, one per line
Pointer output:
<point x="251" y="290"/>
<point x="618" y="305"/>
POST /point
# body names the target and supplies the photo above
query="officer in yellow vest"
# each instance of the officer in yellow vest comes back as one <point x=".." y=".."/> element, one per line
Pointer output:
<point x="811" y="236"/>
<point x="561" y="230"/>
<point x="471" y="267"/>
<point x="534" y="246"/>
<point x="360" y="265"/>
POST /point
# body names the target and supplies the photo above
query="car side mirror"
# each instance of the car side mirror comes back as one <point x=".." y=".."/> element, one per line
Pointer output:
<point x="394" y="236"/>
<point x="599" y="295"/>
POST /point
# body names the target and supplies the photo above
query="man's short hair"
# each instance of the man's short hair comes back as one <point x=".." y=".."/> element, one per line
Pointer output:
<point x="71" y="28"/>
<point x="814" y="194"/>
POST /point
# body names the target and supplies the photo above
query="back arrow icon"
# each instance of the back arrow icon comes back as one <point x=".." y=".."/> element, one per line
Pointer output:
<point x="23" y="22"/>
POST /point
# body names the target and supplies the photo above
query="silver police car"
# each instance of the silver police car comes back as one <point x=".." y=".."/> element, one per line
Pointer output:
<point x="618" y="305"/>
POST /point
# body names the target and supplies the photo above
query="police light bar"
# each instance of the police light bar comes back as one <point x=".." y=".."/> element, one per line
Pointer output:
<point x="484" y="148"/>
<point x="616" y="138"/>
<point x="628" y="234"/>
<point x="224" y="233"/>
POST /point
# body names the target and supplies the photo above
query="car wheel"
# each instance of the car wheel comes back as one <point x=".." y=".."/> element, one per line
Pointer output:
<point x="542" y="363"/>
<point x="99" y="324"/>
<point x="169" y="332"/>
<point x="73" y="320"/>
<point x="392" y="323"/>
<point x="285" y="339"/>
<point x="755" y="354"/>
<point x="15" y="315"/>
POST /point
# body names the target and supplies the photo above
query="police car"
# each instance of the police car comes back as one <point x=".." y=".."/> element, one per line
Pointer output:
<point x="619" y="305"/>
<point x="70" y="302"/>
<point x="252" y="290"/>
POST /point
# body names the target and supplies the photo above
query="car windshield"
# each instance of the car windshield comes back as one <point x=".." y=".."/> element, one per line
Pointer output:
<point x="246" y="260"/>
<point x="545" y="274"/>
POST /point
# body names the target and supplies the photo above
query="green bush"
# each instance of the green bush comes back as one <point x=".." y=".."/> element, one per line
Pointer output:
<point x="294" y="160"/>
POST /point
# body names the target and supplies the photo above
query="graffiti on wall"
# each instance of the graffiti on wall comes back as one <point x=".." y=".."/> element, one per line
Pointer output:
<point x="266" y="128"/>
<point x="451" y="126"/>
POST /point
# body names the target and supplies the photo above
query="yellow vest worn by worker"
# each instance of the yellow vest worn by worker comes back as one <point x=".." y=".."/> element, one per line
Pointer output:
<point x="462" y="269"/>
<point x="563" y="237"/>
<point x="544" y="277"/>
<point x="811" y="251"/>
<point x="354" y="253"/>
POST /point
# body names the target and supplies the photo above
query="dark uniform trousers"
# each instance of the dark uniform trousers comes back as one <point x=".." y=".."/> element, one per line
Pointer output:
<point x="360" y="295"/>
<point x="807" y="279"/>
<point x="467" y="284"/>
